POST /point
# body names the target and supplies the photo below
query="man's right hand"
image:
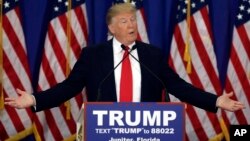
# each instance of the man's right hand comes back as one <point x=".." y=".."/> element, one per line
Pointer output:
<point x="25" y="100"/>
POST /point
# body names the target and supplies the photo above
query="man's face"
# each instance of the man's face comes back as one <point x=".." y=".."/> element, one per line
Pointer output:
<point x="124" y="28"/>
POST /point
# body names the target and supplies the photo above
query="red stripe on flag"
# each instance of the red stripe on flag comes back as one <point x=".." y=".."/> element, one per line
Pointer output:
<point x="203" y="55"/>
<point x="75" y="48"/>
<point x="15" y="81"/>
<point x="244" y="39"/>
<point x="3" y="132"/>
<point x="49" y="73"/>
<point x="39" y="128"/>
<point x="57" y="49"/>
<point x="239" y="114"/>
<point x="15" y="42"/>
<point x="143" y="16"/>
<point x="241" y="74"/>
<point x="79" y="13"/>
<point x="205" y="17"/>
<point x="190" y="111"/>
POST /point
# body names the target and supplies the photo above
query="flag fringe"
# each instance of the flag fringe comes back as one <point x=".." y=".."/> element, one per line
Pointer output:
<point x="36" y="134"/>
<point x="224" y="129"/>
<point x="218" y="137"/>
<point x="71" y="138"/>
<point x="21" y="135"/>
<point x="1" y="100"/>
<point x="38" y="137"/>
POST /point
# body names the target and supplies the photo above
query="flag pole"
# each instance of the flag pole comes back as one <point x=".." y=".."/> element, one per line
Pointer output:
<point x="1" y="56"/>
<point x="187" y="56"/>
<point x="67" y="103"/>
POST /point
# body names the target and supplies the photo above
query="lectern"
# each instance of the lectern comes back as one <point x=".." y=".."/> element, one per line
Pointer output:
<point x="131" y="121"/>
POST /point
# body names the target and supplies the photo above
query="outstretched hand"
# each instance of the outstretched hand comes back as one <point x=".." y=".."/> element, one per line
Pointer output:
<point x="24" y="100"/>
<point x="224" y="102"/>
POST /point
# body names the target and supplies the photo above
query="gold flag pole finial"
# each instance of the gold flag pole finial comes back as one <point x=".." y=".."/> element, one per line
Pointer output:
<point x="67" y="103"/>
<point x="1" y="56"/>
<point x="187" y="56"/>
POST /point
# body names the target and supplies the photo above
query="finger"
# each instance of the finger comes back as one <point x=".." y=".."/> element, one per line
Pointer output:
<point x="9" y="99"/>
<point x="238" y="107"/>
<point x="20" y="92"/>
<point x="238" y="103"/>
<point x="229" y="94"/>
<point x="10" y="103"/>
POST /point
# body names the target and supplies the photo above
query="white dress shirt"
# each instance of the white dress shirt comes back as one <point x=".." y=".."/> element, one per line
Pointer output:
<point x="136" y="70"/>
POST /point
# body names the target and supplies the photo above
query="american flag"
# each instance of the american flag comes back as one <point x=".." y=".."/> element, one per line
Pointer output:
<point x="14" y="123"/>
<point x="200" y="125"/>
<point x="238" y="72"/>
<point x="141" y="21"/>
<point x="66" y="35"/>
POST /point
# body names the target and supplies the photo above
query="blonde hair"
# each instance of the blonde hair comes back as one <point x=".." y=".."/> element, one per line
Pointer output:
<point x="118" y="9"/>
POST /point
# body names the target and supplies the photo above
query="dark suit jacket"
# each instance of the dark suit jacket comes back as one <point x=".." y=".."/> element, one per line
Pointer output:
<point x="96" y="62"/>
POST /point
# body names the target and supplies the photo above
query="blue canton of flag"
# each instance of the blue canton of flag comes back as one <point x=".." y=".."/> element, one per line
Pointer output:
<point x="9" y="5"/>
<point x="138" y="3"/>
<point x="61" y="6"/>
<point x="243" y="13"/>
<point x="195" y="6"/>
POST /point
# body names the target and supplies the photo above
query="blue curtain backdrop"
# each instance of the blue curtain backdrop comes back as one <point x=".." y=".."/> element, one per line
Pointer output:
<point x="160" y="15"/>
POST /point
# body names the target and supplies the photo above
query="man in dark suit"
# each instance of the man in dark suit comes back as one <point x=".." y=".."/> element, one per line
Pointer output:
<point x="99" y="70"/>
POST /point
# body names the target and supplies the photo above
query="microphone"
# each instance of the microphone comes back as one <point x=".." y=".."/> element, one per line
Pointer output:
<point x="167" y="98"/>
<point x="109" y="74"/>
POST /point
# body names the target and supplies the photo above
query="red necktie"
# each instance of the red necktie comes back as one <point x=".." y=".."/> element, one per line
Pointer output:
<point x="126" y="84"/>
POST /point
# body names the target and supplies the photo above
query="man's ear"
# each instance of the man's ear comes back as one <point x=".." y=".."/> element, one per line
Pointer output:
<point x="111" y="28"/>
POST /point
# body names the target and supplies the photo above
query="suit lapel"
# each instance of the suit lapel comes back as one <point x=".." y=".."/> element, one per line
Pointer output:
<point x="106" y="57"/>
<point x="142" y="59"/>
<point x="107" y="63"/>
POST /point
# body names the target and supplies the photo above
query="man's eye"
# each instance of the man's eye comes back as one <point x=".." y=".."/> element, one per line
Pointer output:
<point x="123" y="21"/>
<point x="132" y="19"/>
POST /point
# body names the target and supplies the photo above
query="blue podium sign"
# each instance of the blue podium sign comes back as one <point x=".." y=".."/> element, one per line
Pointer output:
<point x="134" y="121"/>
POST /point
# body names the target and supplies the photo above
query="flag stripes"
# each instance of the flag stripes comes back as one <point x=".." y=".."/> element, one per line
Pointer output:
<point x="143" y="36"/>
<point x="16" y="74"/>
<point x="204" y="75"/>
<point x="53" y="71"/>
<point x="237" y="74"/>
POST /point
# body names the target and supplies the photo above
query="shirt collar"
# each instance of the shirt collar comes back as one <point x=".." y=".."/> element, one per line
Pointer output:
<point x="117" y="46"/>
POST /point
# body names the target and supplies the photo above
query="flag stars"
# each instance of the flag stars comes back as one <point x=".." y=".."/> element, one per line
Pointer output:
<point x="202" y="0"/>
<point x="179" y="7"/>
<point x="59" y="1"/>
<point x="239" y="16"/>
<point x="6" y="4"/>
<point x="248" y="10"/>
<point x="242" y="8"/>
<point x="193" y="5"/>
<point x="184" y="10"/>
<point x="66" y="3"/>
<point x="56" y="8"/>
<point x="133" y="3"/>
